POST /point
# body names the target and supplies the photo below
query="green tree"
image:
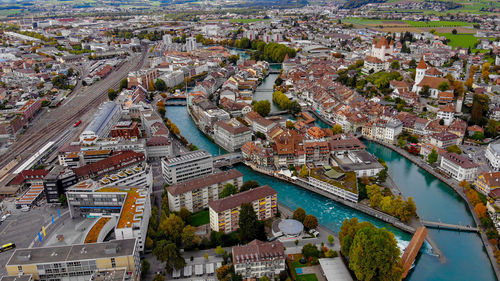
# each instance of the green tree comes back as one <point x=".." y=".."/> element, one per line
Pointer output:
<point x="264" y="278"/>
<point x="337" y="129"/>
<point x="188" y="236"/>
<point x="123" y="84"/>
<point x="310" y="250"/>
<point x="145" y="266"/>
<point x="63" y="200"/>
<point x="219" y="251"/>
<point x="158" y="277"/>
<point x="331" y="239"/>
<point x="299" y="214"/>
<point x="395" y="64"/>
<point x="160" y="85"/>
<point x="347" y="233"/>
<point x="479" y="136"/>
<point x="432" y="157"/>
<point x="185" y="215"/>
<point x="374" y="255"/>
<point x="262" y="107"/>
<point x="310" y="222"/>
<point x="294" y="108"/>
<point x="234" y="59"/>
<point x="228" y="190"/>
<point x="249" y="225"/>
<point x="112" y="94"/>
<point x="382" y="176"/>
<point x="172" y="227"/>
<point x="425" y="92"/>
<point x="444" y="86"/>
<point x="249" y="184"/>
<point x="454" y="149"/>
<point x="167" y="252"/>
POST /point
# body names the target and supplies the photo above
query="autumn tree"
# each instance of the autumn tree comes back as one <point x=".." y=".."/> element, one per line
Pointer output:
<point x="223" y="272"/>
<point x="337" y="129"/>
<point x="262" y="107"/>
<point x="167" y="252"/>
<point x="310" y="222"/>
<point x="299" y="214"/>
<point x="185" y="215"/>
<point x="454" y="149"/>
<point x="172" y="227"/>
<point x="480" y="210"/>
<point x="304" y="172"/>
<point x="189" y="238"/>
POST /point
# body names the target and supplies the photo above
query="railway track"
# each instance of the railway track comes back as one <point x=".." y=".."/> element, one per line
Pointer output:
<point x="33" y="141"/>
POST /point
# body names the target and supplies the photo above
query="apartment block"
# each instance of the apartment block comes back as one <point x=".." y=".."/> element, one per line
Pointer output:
<point x="257" y="259"/>
<point x="225" y="213"/>
<point x="231" y="135"/>
<point x="187" y="166"/>
<point x="195" y="194"/>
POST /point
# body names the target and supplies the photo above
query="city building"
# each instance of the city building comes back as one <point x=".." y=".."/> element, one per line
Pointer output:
<point x="117" y="161"/>
<point x="76" y="262"/>
<point x="104" y="119"/>
<point x="224" y="213"/>
<point x="231" y="135"/>
<point x="187" y="166"/>
<point x="257" y="259"/>
<point x="444" y="139"/>
<point x="125" y="129"/>
<point x="458" y="167"/>
<point x="446" y="113"/>
<point x="130" y="208"/>
<point x="487" y="182"/>
<point x="492" y="154"/>
<point x="57" y="181"/>
<point x="195" y="194"/>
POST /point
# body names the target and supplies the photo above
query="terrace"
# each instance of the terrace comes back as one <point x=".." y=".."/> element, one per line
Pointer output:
<point x="336" y="177"/>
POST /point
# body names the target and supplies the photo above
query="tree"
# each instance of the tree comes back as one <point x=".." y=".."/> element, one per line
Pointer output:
<point x="454" y="149"/>
<point x="299" y="214"/>
<point x="310" y="250"/>
<point x="395" y="64"/>
<point x="264" y="278"/>
<point x="189" y="238"/>
<point x="432" y="157"/>
<point x="219" y="251"/>
<point x="304" y="172"/>
<point x="185" y="215"/>
<point x="412" y="64"/>
<point x="167" y="251"/>
<point x="479" y="136"/>
<point x="223" y="271"/>
<point x="310" y="222"/>
<point x="289" y="124"/>
<point x="294" y="108"/>
<point x="172" y="227"/>
<point x="382" y="176"/>
<point x="425" y="91"/>
<point x="454" y="31"/>
<point x="160" y="85"/>
<point x="228" y="190"/>
<point x="123" y="84"/>
<point x="331" y="239"/>
<point x="249" y="184"/>
<point x="262" y="107"/>
<point x="145" y="266"/>
<point x="249" y="225"/>
<point x="63" y="200"/>
<point x="233" y="59"/>
<point x="158" y="277"/>
<point x="112" y="94"/>
<point x="444" y="86"/>
<point x="480" y="210"/>
<point x="149" y="242"/>
<point x="374" y="255"/>
<point x="337" y="129"/>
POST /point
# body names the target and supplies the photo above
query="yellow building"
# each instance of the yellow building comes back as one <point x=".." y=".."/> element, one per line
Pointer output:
<point x="80" y="262"/>
<point x="487" y="182"/>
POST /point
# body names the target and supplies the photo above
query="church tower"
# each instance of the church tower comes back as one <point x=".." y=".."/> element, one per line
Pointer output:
<point x="420" y="71"/>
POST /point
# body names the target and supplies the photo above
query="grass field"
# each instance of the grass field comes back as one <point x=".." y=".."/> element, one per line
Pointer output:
<point x="361" y="21"/>
<point x="437" y="23"/>
<point x="246" y="20"/>
<point x="200" y="218"/>
<point x="460" y="40"/>
<point x="307" y="277"/>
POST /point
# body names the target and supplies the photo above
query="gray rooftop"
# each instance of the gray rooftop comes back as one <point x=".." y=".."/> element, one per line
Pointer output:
<point x="90" y="251"/>
<point x="187" y="157"/>
<point x="102" y="116"/>
<point x="25" y="277"/>
<point x="335" y="270"/>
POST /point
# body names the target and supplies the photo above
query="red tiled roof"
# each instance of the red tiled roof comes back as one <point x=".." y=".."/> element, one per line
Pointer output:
<point x="242" y="197"/>
<point x="198" y="183"/>
<point x="28" y="175"/>
<point x="114" y="162"/>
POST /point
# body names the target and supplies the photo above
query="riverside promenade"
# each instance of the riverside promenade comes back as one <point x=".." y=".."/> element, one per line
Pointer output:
<point x="458" y="190"/>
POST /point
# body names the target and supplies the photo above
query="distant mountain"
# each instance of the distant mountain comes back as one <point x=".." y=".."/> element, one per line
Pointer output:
<point x="353" y="4"/>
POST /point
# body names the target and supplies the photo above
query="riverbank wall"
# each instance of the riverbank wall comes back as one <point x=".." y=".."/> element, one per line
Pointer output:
<point x="326" y="121"/>
<point x="458" y="190"/>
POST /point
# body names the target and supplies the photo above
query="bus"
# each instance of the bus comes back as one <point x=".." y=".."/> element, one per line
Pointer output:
<point x="7" y="247"/>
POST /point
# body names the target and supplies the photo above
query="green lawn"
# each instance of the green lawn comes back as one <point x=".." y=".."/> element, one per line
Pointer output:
<point x="361" y="21"/>
<point x="307" y="277"/>
<point x="200" y="218"/>
<point x="460" y="40"/>
<point x="246" y="20"/>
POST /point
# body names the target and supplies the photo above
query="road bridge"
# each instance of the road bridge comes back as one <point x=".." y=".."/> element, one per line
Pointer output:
<point x="228" y="159"/>
<point x="175" y="102"/>
<point x="442" y="225"/>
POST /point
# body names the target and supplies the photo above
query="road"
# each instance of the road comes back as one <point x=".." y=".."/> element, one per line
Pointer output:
<point x="82" y="105"/>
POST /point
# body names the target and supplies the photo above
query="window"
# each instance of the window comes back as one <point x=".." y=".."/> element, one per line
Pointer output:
<point x="113" y="262"/>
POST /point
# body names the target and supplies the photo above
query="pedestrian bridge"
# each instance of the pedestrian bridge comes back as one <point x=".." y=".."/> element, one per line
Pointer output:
<point x="228" y="159"/>
<point x="442" y="225"/>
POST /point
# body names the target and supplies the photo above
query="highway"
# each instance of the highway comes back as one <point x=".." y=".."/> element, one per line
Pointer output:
<point x="81" y="105"/>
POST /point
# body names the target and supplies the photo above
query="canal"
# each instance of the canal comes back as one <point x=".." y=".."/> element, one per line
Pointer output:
<point x="466" y="258"/>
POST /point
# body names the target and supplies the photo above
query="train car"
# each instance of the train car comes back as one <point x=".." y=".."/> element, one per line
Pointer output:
<point x="77" y="123"/>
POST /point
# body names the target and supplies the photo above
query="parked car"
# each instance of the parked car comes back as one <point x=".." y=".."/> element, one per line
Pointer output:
<point x="25" y="209"/>
<point x="4" y="217"/>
